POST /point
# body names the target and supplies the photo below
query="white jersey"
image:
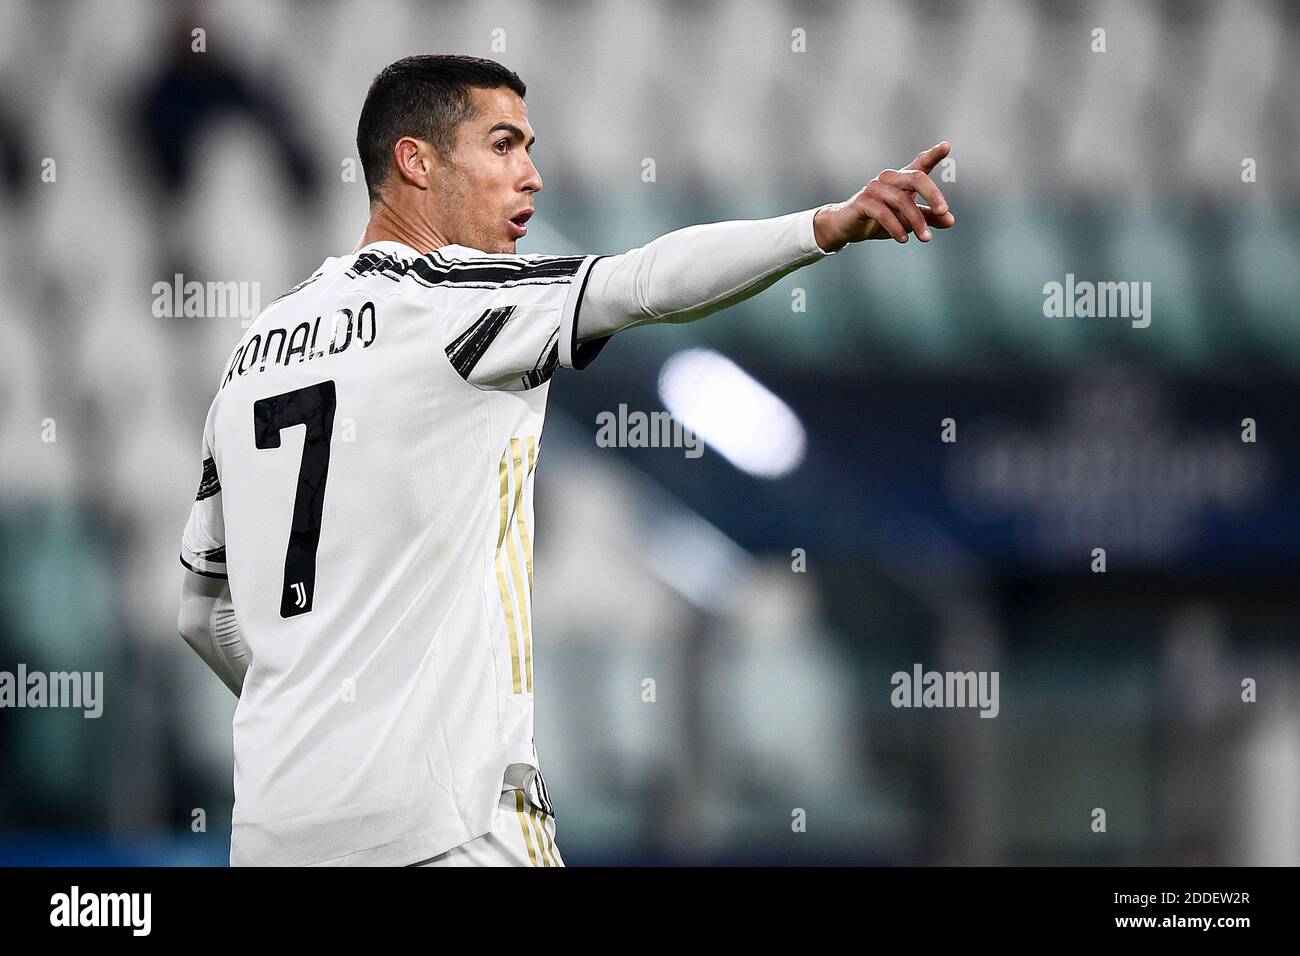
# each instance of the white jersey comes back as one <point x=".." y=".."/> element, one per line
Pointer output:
<point x="368" y="490"/>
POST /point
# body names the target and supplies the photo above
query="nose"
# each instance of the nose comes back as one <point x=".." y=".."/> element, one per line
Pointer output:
<point x="533" y="181"/>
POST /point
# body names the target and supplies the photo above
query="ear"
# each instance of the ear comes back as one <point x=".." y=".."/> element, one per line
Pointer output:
<point x="414" y="161"/>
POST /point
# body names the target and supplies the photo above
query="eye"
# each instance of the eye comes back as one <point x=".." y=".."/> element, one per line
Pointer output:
<point x="501" y="146"/>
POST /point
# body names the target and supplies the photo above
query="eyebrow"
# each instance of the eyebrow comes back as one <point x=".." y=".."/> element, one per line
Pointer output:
<point x="514" y="131"/>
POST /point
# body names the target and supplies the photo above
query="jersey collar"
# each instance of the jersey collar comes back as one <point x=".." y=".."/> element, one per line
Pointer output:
<point x="393" y="247"/>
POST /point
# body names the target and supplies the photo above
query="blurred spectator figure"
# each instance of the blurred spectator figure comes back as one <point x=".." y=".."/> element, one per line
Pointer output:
<point x="192" y="91"/>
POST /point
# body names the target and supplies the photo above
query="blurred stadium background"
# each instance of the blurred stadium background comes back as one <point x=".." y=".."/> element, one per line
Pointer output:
<point x="1119" y="690"/>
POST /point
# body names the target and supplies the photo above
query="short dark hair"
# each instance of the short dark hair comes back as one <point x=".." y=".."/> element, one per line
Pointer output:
<point x="426" y="97"/>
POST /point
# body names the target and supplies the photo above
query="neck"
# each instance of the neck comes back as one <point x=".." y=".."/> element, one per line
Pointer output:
<point x="388" y="223"/>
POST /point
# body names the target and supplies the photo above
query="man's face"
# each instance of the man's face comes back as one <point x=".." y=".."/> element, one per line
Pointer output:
<point x="487" y="189"/>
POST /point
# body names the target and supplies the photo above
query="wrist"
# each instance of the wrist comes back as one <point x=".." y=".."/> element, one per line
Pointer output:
<point x="825" y="233"/>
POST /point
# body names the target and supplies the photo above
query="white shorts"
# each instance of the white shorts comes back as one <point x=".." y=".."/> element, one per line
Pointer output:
<point x="522" y="834"/>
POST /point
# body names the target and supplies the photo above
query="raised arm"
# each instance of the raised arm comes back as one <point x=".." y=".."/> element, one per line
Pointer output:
<point x="688" y="274"/>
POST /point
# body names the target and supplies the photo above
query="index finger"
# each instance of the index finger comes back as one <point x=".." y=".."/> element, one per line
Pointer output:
<point x="928" y="159"/>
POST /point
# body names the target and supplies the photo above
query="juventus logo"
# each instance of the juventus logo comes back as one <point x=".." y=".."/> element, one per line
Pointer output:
<point x="300" y="594"/>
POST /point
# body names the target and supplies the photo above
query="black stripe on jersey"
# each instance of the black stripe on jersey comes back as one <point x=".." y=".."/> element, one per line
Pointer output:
<point x="584" y="355"/>
<point x="433" y="272"/>
<point x="216" y="555"/>
<point x="397" y="270"/>
<point x="208" y="484"/>
<point x="470" y="345"/>
<point x="504" y="258"/>
<point x="547" y="362"/>
<point x="567" y="265"/>
<point x="206" y="574"/>
<point x="542" y="793"/>
<point x="383" y="264"/>
<point x="481" y="272"/>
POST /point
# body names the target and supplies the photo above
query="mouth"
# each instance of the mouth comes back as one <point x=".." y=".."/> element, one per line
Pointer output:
<point x="518" y="223"/>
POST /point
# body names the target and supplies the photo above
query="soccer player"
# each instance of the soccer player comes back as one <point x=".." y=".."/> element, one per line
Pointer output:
<point x="360" y="553"/>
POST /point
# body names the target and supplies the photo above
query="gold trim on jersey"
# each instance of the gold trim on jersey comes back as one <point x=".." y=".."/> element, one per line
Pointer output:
<point x="523" y="825"/>
<point x="523" y="525"/>
<point x="539" y="825"/>
<point x="516" y="600"/>
<point x="506" y="604"/>
<point x="545" y="824"/>
<point x="520" y="594"/>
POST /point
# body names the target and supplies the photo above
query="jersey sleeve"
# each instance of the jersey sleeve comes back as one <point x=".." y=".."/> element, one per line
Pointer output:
<point x="203" y="544"/>
<point x="523" y="321"/>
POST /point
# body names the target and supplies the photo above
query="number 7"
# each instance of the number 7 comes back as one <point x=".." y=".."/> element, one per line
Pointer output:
<point x="312" y="406"/>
